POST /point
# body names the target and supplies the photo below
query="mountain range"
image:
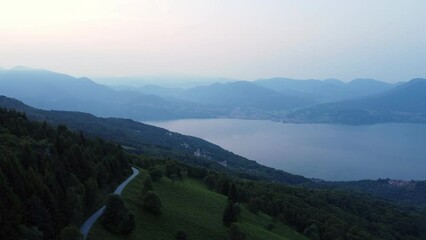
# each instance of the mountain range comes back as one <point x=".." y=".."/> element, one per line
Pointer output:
<point x="404" y="103"/>
<point x="329" y="90"/>
<point x="361" y="101"/>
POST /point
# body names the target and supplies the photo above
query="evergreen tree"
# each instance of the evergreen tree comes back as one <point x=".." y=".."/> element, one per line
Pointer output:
<point x="233" y="194"/>
<point x="116" y="217"/>
<point x="230" y="215"/>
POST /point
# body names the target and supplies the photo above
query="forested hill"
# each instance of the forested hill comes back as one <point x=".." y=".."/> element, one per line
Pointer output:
<point x="159" y="142"/>
<point x="51" y="177"/>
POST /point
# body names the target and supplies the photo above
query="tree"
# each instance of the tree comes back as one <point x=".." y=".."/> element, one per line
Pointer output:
<point x="236" y="233"/>
<point x="116" y="217"/>
<point x="151" y="202"/>
<point x="174" y="177"/>
<point x="223" y="186"/>
<point x="38" y="215"/>
<point x="181" y="235"/>
<point x="30" y="233"/>
<point x="312" y="232"/>
<point x="210" y="181"/>
<point x="230" y="214"/>
<point x="147" y="185"/>
<point x="91" y="193"/>
<point x="70" y="233"/>
<point x="252" y="205"/>
<point x="233" y="194"/>
<point x="155" y="174"/>
<point x="172" y="167"/>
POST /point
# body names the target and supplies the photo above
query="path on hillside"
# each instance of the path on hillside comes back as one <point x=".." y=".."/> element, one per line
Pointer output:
<point x="87" y="225"/>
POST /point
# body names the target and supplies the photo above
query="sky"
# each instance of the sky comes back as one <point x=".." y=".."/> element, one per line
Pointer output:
<point x="242" y="39"/>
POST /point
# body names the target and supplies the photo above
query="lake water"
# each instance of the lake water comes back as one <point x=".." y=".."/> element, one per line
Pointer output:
<point x="330" y="152"/>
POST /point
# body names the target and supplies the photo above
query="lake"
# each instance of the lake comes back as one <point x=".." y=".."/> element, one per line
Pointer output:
<point x="330" y="152"/>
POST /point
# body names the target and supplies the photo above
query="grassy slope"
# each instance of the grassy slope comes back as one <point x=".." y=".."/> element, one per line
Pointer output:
<point x="192" y="208"/>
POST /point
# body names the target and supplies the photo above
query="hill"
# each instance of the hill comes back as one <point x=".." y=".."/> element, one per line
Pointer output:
<point x="330" y="90"/>
<point x="404" y="103"/>
<point x="143" y="138"/>
<point x="267" y="210"/>
<point x="189" y="206"/>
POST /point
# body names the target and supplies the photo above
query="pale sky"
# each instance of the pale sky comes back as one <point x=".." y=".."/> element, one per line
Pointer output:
<point x="244" y="39"/>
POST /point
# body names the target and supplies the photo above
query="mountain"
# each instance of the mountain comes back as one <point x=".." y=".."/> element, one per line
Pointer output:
<point x="243" y="94"/>
<point x="55" y="91"/>
<point x="404" y="103"/>
<point x="167" y="81"/>
<point x="329" y="90"/>
<point x="164" y="92"/>
<point x="142" y="138"/>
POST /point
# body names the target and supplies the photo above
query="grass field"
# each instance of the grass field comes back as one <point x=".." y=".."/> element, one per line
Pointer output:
<point x="190" y="207"/>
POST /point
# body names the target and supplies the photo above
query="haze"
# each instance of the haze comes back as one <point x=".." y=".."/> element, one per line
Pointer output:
<point x="244" y="39"/>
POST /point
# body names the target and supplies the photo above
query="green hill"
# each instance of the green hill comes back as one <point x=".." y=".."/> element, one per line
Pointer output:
<point x="190" y="207"/>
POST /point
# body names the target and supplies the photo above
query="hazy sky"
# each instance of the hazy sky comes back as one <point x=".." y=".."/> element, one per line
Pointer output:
<point x="245" y="39"/>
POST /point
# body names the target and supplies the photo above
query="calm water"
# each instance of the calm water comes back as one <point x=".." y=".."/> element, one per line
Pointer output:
<point x="331" y="152"/>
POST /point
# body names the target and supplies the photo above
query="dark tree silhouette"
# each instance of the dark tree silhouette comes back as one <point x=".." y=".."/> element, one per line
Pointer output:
<point x="233" y="194"/>
<point x="116" y="217"/>
<point x="151" y="202"/>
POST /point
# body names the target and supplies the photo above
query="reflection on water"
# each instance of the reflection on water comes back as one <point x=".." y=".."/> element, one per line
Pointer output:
<point x="331" y="152"/>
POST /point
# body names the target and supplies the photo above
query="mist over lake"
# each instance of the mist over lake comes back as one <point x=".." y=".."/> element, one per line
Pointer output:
<point x="330" y="152"/>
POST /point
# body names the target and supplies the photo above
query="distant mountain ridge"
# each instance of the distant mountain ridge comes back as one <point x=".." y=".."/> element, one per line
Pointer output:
<point x="244" y="94"/>
<point x="361" y="101"/>
<point x="329" y="90"/>
<point x="404" y="103"/>
<point x="55" y="91"/>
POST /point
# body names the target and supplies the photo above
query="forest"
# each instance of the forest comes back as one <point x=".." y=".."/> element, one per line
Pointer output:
<point x="50" y="177"/>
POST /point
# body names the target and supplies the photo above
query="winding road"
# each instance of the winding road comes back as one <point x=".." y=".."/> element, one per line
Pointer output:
<point x="87" y="225"/>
